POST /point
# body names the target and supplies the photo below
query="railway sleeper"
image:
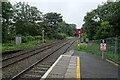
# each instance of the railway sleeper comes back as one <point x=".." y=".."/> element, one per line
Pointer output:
<point x="43" y="68"/>
<point x="32" y="75"/>
<point x="36" y="71"/>
<point x="47" y="66"/>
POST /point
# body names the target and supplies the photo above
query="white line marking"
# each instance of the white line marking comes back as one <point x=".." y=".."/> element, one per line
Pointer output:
<point x="49" y="70"/>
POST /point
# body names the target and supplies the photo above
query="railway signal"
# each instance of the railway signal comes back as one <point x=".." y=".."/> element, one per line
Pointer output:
<point x="79" y="32"/>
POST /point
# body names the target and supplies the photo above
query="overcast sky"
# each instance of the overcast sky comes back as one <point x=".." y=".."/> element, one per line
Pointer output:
<point x="73" y="11"/>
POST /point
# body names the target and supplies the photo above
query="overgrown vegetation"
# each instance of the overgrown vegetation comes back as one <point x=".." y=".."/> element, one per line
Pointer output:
<point x="82" y="47"/>
<point x="30" y="44"/>
<point x="26" y="21"/>
<point x="94" y="49"/>
<point x="103" y="22"/>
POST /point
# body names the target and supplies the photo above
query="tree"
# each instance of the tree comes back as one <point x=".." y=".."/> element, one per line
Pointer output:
<point x="91" y="24"/>
<point x="51" y="21"/>
<point x="104" y="31"/>
<point x="71" y="29"/>
<point x="110" y="12"/>
<point x="106" y="14"/>
<point x="25" y="19"/>
<point x="21" y="19"/>
<point x="68" y="29"/>
<point x="25" y="12"/>
<point x="7" y="16"/>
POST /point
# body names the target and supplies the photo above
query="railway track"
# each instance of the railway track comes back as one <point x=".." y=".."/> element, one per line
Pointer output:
<point x="16" y="54"/>
<point x="37" y="70"/>
<point x="23" y="55"/>
<point x="17" y="58"/>
<point x="14" y="63"/>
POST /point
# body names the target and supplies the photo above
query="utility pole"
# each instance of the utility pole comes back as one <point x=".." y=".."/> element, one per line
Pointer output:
<point x="43" y="36"/>
<point x="0" y="24"/>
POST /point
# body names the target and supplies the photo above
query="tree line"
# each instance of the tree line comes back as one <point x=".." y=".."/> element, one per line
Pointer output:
<point x="21" y="19"/>
<point x="103" y="22"/>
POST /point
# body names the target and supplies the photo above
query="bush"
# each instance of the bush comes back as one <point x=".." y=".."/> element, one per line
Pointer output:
<point x="38" y="37"/>
<point x="82" y="47"/>
<point x="61" y="36"/>
<point x="27" y="38"/>
<point x="8" y="39"/>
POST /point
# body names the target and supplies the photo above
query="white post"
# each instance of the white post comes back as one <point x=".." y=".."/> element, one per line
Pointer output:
<point x="43" y="36"/>
<point x="102" y="55"/>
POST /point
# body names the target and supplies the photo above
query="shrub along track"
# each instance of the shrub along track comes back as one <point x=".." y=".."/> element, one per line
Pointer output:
<point x="13" y="69"/>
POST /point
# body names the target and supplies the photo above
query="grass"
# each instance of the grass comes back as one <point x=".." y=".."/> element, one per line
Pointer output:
<point x="82" y="47"/>
<point x="11" y="46"/>
<point x="112" y="56"/>
<point x="94" y="48"/>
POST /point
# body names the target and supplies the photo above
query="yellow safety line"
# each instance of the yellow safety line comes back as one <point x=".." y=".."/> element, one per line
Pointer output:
<point x="78" y="69"/>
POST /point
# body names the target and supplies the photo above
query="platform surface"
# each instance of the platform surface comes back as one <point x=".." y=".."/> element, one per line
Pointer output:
<point x="93" y="67"/>
<point x="64" y="67"/>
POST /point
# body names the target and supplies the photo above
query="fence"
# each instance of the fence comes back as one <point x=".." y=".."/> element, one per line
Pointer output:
<point x="113" y="48"/>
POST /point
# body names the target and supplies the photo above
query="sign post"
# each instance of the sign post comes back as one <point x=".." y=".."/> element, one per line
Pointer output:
<point x="103" y="47"/>
<point x="102" y="55"/>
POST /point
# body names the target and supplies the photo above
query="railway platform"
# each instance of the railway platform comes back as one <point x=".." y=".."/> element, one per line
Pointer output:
<point x="75" y="65"/>
<point x="65" y="67"/>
